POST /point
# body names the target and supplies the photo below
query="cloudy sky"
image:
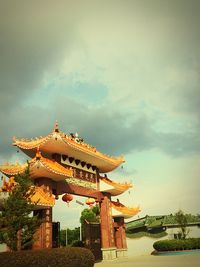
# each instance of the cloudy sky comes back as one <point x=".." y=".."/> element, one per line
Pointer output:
<point x="123" y="74"/>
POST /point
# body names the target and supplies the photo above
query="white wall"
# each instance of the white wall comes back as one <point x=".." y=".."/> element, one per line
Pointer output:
<point x="141" y="246"/>
<point x="144" y="245"/>
<point x="194" y="231"/>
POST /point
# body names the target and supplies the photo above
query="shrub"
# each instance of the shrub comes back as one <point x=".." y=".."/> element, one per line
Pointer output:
<point x="177" y="244"/>
<point x="57" y="257"/>
<point x="141" y="234"/>
<point x="77" y="243"/>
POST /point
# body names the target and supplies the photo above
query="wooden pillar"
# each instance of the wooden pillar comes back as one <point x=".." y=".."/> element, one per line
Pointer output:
<point x="43" y="236"/>
<point x="120" y="236"/>
<point x="107" y="230"/>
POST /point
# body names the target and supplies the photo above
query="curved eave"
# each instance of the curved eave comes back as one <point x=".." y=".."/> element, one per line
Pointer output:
<point x="115" y="189"/>
<point x="39" y="167"/>
<point x="53" y="169"/>
<point x="123" y="211"/>
<point x="12" y="170"/>
<point x="29" y="144"/>
<point x="42" y="199"/>
<point x="57" y="142"/>
<point x="39" y="201"/>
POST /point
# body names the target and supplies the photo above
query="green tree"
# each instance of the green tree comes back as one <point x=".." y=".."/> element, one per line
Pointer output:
<point x="17" y="226"/>
<point x="182" y="220"/>
<point x="88" y="215"/>
<point x="72" y="235"/>
<point x="96" y="210"/>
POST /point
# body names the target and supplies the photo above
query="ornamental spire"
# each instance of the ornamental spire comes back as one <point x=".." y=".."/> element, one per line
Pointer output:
<point x="56" y="128"/>
<point x="38" y="153"/>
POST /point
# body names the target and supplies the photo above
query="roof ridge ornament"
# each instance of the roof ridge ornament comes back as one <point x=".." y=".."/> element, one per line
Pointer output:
<point x="38" y="154"/>
<point x="56" y="128"/>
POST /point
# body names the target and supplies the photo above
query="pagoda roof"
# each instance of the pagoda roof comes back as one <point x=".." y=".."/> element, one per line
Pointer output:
<point x="119" y="210"/>
<point x="114" y="188"/>
<point x="39" y="167"/>
<point x="41" y="198"/>
<point x="70" y="145"/>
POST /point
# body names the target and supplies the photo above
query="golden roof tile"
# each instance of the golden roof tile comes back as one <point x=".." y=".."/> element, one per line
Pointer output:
<point x="77" y="145"/>
<point x="55" y="167"/>
<point x="39" y="198"/>
<point x="30" y="143"/>
<point x="125" y="210"/>
<point x="13" y="169"/>
<point x="86" y="148"/>
<point x="50" y="165"/>
<point x="43" y="198"/>
<point x="118" y="186"/>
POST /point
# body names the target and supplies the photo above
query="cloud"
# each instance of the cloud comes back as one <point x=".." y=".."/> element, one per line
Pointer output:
<point x="140" y="61"/>
<point x="123" y="74"/>
<point x="109" y="129"/>
<point x="34" y="40"/>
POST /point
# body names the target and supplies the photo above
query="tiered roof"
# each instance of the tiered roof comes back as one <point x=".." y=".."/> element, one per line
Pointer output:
<point x="12" y="169"/>
<point x="39" y="167"/>
<point x="119" y="210"/>
<point x="41" y="197"/>
<point x="44" y="167"/>
<point x="107" y="185"/>
<point x="72" y="146"/>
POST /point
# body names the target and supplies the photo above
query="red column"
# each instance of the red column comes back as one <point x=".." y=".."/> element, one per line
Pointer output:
<point x="43" y="236"/>
<point x="120" y="235"/>
<point x="107" y="229"/>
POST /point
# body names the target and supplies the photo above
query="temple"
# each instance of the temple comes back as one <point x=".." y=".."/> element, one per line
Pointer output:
<point x="62" y="163"/>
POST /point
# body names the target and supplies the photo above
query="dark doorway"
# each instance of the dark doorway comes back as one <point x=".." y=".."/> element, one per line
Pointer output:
<point x="92" y="234"/>
<point x="56" y="234"/>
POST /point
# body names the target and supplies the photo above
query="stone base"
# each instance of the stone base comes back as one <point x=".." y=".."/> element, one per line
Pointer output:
<point x="109" y="253"/>
<point x="121" y="253"/>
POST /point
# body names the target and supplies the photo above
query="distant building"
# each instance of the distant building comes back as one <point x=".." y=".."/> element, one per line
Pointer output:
<point x="164" y="223"/>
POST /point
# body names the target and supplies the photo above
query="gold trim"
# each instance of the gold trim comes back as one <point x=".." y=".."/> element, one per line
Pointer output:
<point x="82" y="146"/>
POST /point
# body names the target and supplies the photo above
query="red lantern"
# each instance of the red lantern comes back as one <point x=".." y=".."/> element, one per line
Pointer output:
<point x="90" y="201"/>
<point x="67" y="198"/>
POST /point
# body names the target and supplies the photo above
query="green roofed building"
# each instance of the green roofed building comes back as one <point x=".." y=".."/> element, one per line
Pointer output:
<point x="158" y="226"/>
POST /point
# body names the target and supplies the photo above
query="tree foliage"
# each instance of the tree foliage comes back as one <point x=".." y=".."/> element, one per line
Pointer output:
<point x="72" y="235"/>
<point x="17" y="226"/>
<point x="96" y="210"/>
<point x="90" y="215"/>
<point x="182" y="220"/>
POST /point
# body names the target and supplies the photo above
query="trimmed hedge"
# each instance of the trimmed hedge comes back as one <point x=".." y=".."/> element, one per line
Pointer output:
<point x="77" y="243"/>
<point x="177" y="244"/>
<point x="56" y="257"/>
<point x="142" y="234"/>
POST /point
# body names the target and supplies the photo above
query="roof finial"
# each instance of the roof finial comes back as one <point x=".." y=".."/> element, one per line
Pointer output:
<point x="56" y="129"/>
<point x="38" y="153"/>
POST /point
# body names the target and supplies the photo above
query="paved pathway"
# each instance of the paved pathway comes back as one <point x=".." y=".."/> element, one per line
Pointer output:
<point x="154" y="261"/>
